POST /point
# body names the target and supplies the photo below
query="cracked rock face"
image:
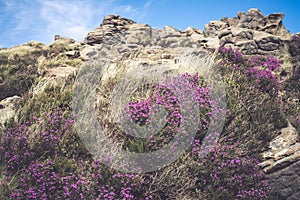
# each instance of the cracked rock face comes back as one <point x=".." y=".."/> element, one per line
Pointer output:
<point x="117" y="35"/>
<point x="251" y="32"/>
<point x="282" y="164"/>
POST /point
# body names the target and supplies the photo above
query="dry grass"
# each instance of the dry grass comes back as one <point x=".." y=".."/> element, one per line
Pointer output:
<point x="23" y="50"/>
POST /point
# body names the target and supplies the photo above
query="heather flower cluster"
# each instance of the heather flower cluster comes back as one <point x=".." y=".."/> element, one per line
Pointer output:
<point x="45" y="181"/>
<point x="32" y="156"/>
<point x="42" y="181"/>
<point x="167" y="96"/>
<point x="294" y="46"/>
<point x="258" y="69"/>
<point x="268" y="62"/>
<point x="230" y="57"/>
<point x="15" y="149"/>
<point x="30" y="141"/>
<point x="261" y="69"/>
<point x="42" y="159"/>
<point x="222" y="175"/>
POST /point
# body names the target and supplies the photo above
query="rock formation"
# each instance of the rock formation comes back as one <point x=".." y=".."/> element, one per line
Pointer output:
<point x="282" y="163"/>
<point x="124" y="36"/>
<point x="251" y="32"/>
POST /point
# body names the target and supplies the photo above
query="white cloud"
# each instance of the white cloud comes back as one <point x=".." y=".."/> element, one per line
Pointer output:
<point x="147" y="4"/>
<point x="9" y="4"/>
<point x="66" y="19"/>
<point x="42" y="19"/>
<point x="25" y="20"/>
<point x="129" y="12"/>
<point x="75" y="19"/>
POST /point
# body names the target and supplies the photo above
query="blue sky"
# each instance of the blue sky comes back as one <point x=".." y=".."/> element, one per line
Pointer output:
<point x="25" y="20"/>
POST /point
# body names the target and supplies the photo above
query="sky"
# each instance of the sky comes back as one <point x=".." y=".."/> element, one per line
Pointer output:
<point x="22" y="21"/>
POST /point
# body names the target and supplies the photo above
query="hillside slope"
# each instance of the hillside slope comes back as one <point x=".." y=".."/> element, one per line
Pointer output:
<point x="257" y="153"/>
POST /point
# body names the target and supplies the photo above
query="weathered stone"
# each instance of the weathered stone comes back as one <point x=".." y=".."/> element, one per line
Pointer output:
<point x="87" y="52"/>
<point x="286" y="182"/>
<point x="169" y="31"/>
<point x="139" y="34"/>
<point x="8" y="109"/>
<point x="198" y="38"/>
<point x="166" y="56"/>
<point x="287" y="138"/>
<point x="250" y="19"/>
<point x="282" y="166"/>
<point x="273" y="24"/>
<point x="269" y="43"/>
<point x="251" y="32"/>
<point x="214" y="27"/>
<point x="10" y="101"/>
<point x="243" y="35"/>
<point x="191" y="31"/>
<point x="225" y="32"/>
<point x="284" y="162"/>
<point x="115" y="21"/>
<point x="230" y="22"/>
<point x="110" y="25"/>
<point x="228" y="39"/>
<point x="266" y="163"/>
<point x="287" y="152"/>
<point x="59" y="39"/>
<point x="247" y="47"/>
<point x="195" y="35"/>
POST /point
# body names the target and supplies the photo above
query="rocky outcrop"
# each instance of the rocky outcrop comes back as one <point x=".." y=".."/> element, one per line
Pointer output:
<point x="251" y="32"/>
<point x="120" y="35"/>
<point x="254" y="20"/>
<point x="64" y="40"/>
<point x="251" y="41"/>
<point x="282" y="164"/>
<point x="111" y="24"/>
<point x="69" y="46"/>
<point x="129" y="35"/>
